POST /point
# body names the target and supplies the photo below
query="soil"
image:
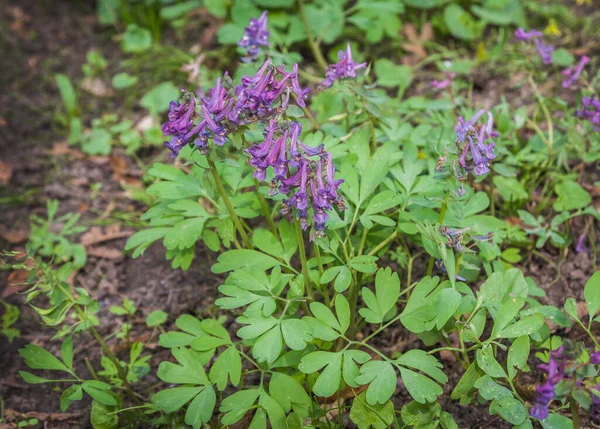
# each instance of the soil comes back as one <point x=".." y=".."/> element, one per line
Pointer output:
<point x="38" y="40"/>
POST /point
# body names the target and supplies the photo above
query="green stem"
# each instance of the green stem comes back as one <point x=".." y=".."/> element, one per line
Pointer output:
<point x="540" y="99"/>
<point x="383" y="243"/>
<point x="324" y="289"/>
<point x="440" y="221"/>
<point x="492" y="194"/>
<point x="230" y="209"/>
<point x="302" y="251"/>
<point x="574" y="413"/>
<point x="265" y="208"/>
<point x="90" y="368"/>
<point x="363" y="238"/>
<point x="314" y="47"/>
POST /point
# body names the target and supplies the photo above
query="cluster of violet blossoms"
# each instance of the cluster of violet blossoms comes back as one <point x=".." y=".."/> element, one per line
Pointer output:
<point x="213" y="118"/>
<point x="345" y="68"/>
<point x="255" y="36"/>
<point x="591" y="111"/>
<point x="544" y="51"/>
<point x="476" y="154"/>
<point x="555" y="372"/>
<point x="305" y="181"/>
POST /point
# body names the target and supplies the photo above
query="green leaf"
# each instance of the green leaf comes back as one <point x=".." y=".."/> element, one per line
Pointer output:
<point x="171" y="400"/>
<point x="136" y="39"/>
<point x="69" y="395"/>
<point x="37" y="357"/>
<point x="382" y="379"/>
<point x="556" y="421"/>
<point x="446" y="304"/>
<point x="489" y="389"/>
<point x="420" y="387"/>
<point x="591" y="293"/>
<point x="98" y="142"/>
<point x="227" y="365"/>
<point x="100" y="417"/>
<point x="67" y="94"/>
<point x="326" y="21"/>
<point x="238" y="404"/>
<point x="367" y="416"/>
<point x="387" y="291"/>
<point x="506" y="314"/>
<point x="390" y="75"/>
<point x="189" y="370"/>
<point x="518" y="353"/>
<point x="364" y="264"/>
<point x="510" y="409"/>
<point x="238" y="258"/>
<point x="424" y="4"/>
<point x="571" y="308"/>
<point x="374" y="173"/>
<point x="158" y="98"/>
<point x="179" y="9"/>
<point x="156" y="318"/>
<point x="526" y="326"/>
<point x="265" y="241"/>
<point x="460" y="23"/>
<point x="201" y="408"/>
<point x="571" y="196"/>
<point x="267" y="331"/>
<point x="288" y="393"/>
<point x="99" y="391"/>
<point x="123" y="80"/>
<point x="32" y="378"/>
<point x="488" y="363"/>
<point x="67" y="352"/>
<point x="141" y="240"/>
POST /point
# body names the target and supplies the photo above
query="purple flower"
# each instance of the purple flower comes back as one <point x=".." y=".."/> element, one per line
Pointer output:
<point x="595" y="358"/>
<point x="545" y="392"/>
<point x="595" y="411"/>
<point x="572" y="73"/>
<point x="580" y="248"/>
<point x="591" y="111"/>
<point x="256" y="35"/>
<point x="544" y="51"/>
<point x="344" y="68"/>
<point x="180" y="118"/>
<point x="444" y="83"/>
<point x="473" y="138"/>
<point x="526" y="36"/>
<point x="310" y="186"/>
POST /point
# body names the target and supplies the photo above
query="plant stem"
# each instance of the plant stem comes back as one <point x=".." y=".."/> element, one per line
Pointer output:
<point x="440" y="221"/>
<point x="540" y="99"/>
<point x="265" y="208"/>
<point x="492" y="195"/>
<point x="383" y="243"/>
<point x="314" y="47"/>
<point x="230" y="209"/>
<point x="90" y="368"/>
<point x="324" y="289"/>
<point x="302" y="251"/>
<point x="574" y="413"/>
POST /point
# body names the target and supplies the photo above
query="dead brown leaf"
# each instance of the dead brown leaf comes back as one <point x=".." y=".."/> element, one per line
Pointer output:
<point x="98" y="235"/>
<point x="3" y="122"/>
<point x="97" y="87"/>
<point x="20" y="20"/>
<point x="63" y="148"/>
<point x="118" y="164"/>
<point x="105" y="253"/>
<point x="6" y="171"/>
<point x="14" y="236"/>
<point x="415" y="42"/>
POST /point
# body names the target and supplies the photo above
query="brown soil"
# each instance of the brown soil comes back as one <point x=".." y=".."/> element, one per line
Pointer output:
<point x="39" y="39"/>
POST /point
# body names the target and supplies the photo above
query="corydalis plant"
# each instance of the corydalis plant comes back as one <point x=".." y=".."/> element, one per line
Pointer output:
<point x="591" y="111"/>
<point x="198" y="121"/>
<point x="308" y="183"/>
<point x="255" y="36"/>
<point x="473" y="140"/>
<point x="567" y="375"/>
<point x="345" y="68"/>
<point x="544" y="51"/>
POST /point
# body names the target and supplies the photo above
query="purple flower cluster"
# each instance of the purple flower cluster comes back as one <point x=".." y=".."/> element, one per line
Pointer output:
<point x="591" y="111"/>
<point x="305" y="181"/>
<point x="476" y="154"/>
<point x="572" y="73"/>
<point x="255" y="36"/>
<point x="344" y="68"/>
<point x="544" y="51"/>
<point x="258" y="99"/>
<point x="545" y="392"/>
